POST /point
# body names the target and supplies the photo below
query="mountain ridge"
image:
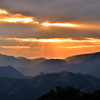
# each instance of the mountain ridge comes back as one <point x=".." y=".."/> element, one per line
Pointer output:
<point x="89" y="65"/>
<point x="31" y="89"/>
<point x="85" y="63"/>
<point x="10" y="72"/>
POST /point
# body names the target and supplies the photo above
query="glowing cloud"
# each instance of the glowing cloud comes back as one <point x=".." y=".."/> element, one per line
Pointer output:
<point x="47" y="47"/>
<point x="88" y="40"/>
<point x="80" y="46"/>
<point x="15" y="18"/>
<point x="41" y="40"/>
<point x="15" y="47"/>
<point x="3" y="11"/>
<point x="60" y="24"/>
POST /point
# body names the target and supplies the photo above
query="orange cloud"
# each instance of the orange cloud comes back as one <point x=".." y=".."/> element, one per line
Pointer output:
<point x="15" y="47"/>
<point x="52" y="47"/>
<point x="15" y="18"/>
<point x="3" y="11"/>
<point x="80" y="46"/>
<point x="88" y="40"/>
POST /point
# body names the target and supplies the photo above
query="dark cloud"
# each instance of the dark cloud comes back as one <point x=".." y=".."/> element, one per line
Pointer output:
<point x="74" y="11"/>
<point x="54" y="7"/>
<point x="36" y="31"/>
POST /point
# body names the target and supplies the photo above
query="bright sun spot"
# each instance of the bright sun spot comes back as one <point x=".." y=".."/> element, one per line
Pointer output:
<point x="45" y="24"/>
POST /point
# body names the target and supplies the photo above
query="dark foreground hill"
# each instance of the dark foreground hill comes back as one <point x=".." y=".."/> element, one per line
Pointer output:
<point x="69" y="93"/>
<point x="31" y="89"/>
<point x="10" y="72"/>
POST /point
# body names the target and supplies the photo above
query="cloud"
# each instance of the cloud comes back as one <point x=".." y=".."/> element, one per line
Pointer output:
<point x="80" y="47"/>
<point x="66" y="10"/>
<point x="35" y="40"/>
<point x="53" y="11"/>
<point x="55" y="40"/>
<point x="59" y="24"/>
<point x="32" y="47"/>
<point x="15" y="47"/>
<point x="15" y="18"/>
<point x="3" y="11"/>
<point x="74" y="8"/>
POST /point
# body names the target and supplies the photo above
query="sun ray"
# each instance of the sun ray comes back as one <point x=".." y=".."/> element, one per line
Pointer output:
<point x="50" y="47"/>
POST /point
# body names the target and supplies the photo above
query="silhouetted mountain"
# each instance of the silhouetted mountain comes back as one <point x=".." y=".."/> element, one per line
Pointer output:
<point x="25" y="66"/>
<point x="90" y="64"/>
<point x="31" y="89"/>
<point x="78" y="58"/>
<point x="50" y="63"/>
<point x="43" y="66"/>
<point x="86" y="64"/>
<point x="30" y="67"/>
<point x="10" y="72"/>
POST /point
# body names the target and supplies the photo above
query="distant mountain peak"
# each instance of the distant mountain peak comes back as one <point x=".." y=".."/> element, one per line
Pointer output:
<point x="10" y="72"/>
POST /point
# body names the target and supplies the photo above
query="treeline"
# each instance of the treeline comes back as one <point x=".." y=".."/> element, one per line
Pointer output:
<point x="69" y="93"/>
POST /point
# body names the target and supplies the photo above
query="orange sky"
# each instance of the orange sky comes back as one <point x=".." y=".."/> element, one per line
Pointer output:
<point x="28" y="37"/>
<point x="49" y="48"/>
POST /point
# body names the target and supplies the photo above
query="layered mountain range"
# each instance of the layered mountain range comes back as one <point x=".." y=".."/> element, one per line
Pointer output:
<point x="85" y="63"/>
<point x="73" y="71"/>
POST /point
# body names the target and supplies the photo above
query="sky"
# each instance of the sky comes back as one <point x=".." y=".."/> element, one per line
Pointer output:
<point x="49" y="28"/>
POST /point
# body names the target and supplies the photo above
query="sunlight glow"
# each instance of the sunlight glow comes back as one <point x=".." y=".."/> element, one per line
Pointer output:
<point x="36" y="22"/>
<point x="80" y="46"/>
<point x="15" y="47"/>
<point x="50" y="47"/>
<point x="89" y="40"/>
<point x="60" y="24"/>
<point x="3" y="11"/>
<point x="45" y="24"/>
<point x="41" y="40"/>
<point x="15" y="18"/>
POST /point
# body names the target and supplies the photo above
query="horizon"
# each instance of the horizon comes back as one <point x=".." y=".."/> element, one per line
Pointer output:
<point x="49" y="58"/>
